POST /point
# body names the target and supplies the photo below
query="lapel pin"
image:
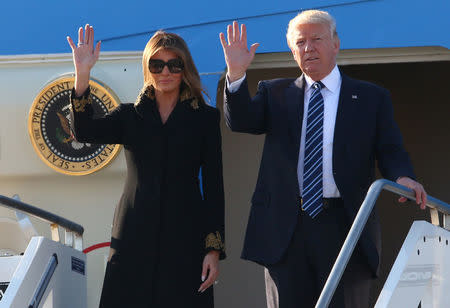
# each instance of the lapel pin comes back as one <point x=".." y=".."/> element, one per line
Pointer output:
<point x="354" y="96"/>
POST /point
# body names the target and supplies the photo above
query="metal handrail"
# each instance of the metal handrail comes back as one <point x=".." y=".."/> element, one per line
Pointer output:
<point x="358" y="226"/>
<point x="41" y="214"/>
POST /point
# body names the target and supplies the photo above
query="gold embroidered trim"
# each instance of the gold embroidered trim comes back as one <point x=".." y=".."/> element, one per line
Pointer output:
<point x="185" y="95"/>
<point x="214" y="241"/>
<point x="80" y="103"/>
<point x="194" y="104"/>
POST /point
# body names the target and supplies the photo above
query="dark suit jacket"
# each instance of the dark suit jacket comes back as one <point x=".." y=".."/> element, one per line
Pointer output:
<point x="365" y="132"/>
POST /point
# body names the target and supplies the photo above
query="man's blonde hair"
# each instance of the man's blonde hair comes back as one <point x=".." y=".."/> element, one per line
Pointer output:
<point x="310" y="17"/>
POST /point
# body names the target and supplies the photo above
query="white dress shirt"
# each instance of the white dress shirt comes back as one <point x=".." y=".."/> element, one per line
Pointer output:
<point x="330" y="95"/>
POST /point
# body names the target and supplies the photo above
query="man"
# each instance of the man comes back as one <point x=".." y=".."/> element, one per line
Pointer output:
<point x="324" y="132"/>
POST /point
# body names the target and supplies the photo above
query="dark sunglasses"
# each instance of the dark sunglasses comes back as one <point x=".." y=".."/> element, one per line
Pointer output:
<point x="174" y="65"/>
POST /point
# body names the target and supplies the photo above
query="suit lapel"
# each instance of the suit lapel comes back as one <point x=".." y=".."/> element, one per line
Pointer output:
<point x="294" y="101"/>
<point x="344" y="116"/>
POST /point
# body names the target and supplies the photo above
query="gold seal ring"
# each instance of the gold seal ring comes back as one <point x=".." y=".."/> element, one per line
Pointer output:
<point x="51" y="134"/>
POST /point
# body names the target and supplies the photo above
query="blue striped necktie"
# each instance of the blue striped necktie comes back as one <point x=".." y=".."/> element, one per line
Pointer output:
<point x="312" y="194"/>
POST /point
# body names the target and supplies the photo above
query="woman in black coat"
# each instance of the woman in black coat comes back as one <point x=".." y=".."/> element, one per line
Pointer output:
<point x="167" y="235"/>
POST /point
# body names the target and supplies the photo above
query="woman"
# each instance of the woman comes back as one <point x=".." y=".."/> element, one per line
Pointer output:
<point x="166" y="239"/>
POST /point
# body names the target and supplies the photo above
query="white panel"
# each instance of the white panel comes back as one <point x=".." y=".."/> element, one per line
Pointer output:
<point x="67" y="287"/>
<point x="421" y="270"/>
<point x="21" y="80"/>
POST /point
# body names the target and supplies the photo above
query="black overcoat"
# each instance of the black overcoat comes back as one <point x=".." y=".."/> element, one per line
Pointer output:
<point x="163" y="226"/>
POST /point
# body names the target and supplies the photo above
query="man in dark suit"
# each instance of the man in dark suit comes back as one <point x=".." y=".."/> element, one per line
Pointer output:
<point x="324" y="132"/>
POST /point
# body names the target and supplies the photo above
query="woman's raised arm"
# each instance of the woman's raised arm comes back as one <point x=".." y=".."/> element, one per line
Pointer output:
<point x="84" y="57"/>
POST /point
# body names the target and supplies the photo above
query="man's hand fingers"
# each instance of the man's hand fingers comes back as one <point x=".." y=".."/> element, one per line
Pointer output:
<point x="418" y="195"/>
<point x="423" y="205"/>
<point x="243" y="37"/>
<point x="419" y="198"/>
<point x="222" y="40"/>
<point x="253" y="49"/>
<point x="422" y="196"/>
<point x="235" y="31"/>
<point x="229" y="34"/>
<point x="419" y="191"/>
<point x="424" y="199"/>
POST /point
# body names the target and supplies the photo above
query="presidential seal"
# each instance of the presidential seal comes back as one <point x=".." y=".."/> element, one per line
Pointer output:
<point x="51" y="134"/>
